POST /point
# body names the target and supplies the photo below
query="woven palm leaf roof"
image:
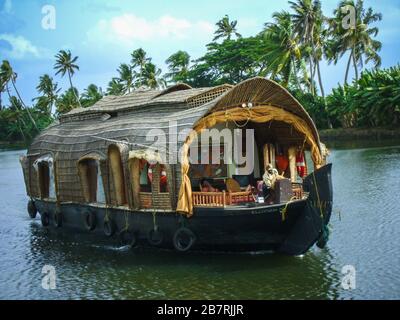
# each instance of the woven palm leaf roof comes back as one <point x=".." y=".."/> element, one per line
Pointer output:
<point x="179" y="108"/>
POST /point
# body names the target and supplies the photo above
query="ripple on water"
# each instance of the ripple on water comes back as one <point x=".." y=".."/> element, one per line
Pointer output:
<point x="366" y="236"/>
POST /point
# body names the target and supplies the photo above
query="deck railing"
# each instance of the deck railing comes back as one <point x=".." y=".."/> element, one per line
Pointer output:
<point x="222" y="198"/>
<point x="209" y="199"/>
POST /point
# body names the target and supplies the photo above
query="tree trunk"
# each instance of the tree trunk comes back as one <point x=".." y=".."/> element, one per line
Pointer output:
<point x="355" y="65"/>
<point x="348" y="67"/>
<point x="72" y="88"/>
<point x="9" y="97"/>
<point x="320" y="80"/>
<point x="311" y="77"/>
<point x="295" y="75"/>
<point x="26" y="108"/>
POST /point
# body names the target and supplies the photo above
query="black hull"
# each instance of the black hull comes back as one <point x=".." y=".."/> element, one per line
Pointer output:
<point x="241" y="228"/>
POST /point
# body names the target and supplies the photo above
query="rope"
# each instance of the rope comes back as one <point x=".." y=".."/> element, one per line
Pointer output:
<point x="107" y="215"/>
<point x="247" y="121"/>
<point x="126" y="228"/>
<point x="155" y="226"/>
<point x="284" y="210"/>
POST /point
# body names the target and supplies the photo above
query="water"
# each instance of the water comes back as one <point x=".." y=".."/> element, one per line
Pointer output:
<point x="364" y="233"/>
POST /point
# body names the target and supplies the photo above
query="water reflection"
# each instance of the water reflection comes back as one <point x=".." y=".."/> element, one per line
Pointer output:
<point x="89" y="269"/>
<point x="366" y="188"/>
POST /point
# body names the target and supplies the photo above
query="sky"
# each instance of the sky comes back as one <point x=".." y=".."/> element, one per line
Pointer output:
<point x="103" y="33"/>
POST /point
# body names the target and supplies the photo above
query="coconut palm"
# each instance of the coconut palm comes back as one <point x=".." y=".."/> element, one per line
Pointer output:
<point x="67" y="101"/>
<point x="91" y="95"/>
<point x="65" y="64"/>
<point x="308" y="20"/>
<point x="49" y="91"/>
<point x="282" y="47"/>
<point x="2" y="90"/>
<point x="151" y="76"/>
<point x="178" y="65"/>
<point x="115" y="87"/>
<point x="226" y="29"/>
<point x="126" y="77"/>
<point x="139" y="59"/>
<point x="358" y="40"/>
<point x="8" y="75"/>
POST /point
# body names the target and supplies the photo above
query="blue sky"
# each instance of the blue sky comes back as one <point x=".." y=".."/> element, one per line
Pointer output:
<point x="103" y="33"/>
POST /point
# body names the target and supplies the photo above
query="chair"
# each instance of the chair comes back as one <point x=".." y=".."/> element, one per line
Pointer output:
<point x="235" y="194"/>
<point x="232" y="185"/>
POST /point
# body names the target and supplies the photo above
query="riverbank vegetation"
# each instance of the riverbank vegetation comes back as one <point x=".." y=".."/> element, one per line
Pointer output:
<point x="289" y="50"/>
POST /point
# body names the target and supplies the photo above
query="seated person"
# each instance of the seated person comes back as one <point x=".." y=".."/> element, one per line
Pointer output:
<point x="205" y="186"/>
<point x="269" y="178"/>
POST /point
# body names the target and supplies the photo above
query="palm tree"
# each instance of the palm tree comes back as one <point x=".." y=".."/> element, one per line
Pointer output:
<point x="358" y="40"/>
<point x="282" y="47"/>
<point x="15" y="115"/>
<point x="2" y="90"/>
<point x="65" y="64"/>
<point x="8" y="75"/>
<point x="49" y="91"/>
<point x="115" y="87"/>
<point x="126" y="77"/>
<point x="226" y="29"/>
<point x="151" y="76"/>
<point x="91" y="95"/>
<point x="309" y="25"/>
<point x="139" y="59"/>
<point x="178" y="65"/>
<point x="308" y="20"/>
<point x="67" y="101"/>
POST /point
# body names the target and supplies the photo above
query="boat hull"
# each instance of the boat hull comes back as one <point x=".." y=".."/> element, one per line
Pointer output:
<point x="286" y="228"/>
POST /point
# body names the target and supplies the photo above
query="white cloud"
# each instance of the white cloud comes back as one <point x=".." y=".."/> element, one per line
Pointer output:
<point x="20" y="47"/>
<point x="127" y="28"/>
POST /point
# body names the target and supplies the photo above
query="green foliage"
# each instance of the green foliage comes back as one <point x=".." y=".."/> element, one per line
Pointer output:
<point x="67" y="101"/>
<point x="288" y="50"/>
<point x="178" y="64"/>
<point x="91" y="95"/>
<point x="372" y="101"/>
<point x="225" y="29"/>
<point x="231" y="61"/>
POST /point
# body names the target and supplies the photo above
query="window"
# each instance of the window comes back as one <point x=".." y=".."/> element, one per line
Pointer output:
<point x="92" y="184"/>
<point x="45" y="170"/>
<point x="146" y="175"/>
<point x="117" y="173"/>
<point x="163" y="178"/>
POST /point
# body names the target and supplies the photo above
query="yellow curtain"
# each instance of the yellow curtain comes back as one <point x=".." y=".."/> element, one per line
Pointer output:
<point x="263" y="113"/>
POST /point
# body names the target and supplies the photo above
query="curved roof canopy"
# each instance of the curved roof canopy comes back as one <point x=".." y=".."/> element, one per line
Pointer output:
<point x="134" y="115"/>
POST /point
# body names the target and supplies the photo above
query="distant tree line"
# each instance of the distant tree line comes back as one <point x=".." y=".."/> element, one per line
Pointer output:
<point x="288" y="50"/>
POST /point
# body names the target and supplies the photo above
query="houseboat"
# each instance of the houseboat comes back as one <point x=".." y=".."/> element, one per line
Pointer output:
<point x="124" y="169"/>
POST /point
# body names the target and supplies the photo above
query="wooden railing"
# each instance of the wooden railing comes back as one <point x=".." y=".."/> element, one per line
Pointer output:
<point x="209" y="199"/>
<point x="238" y="197"/>
<point x="222" y="199"/>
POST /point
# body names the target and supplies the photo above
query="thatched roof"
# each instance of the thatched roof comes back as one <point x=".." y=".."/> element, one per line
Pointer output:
<point x="132" y="116"/>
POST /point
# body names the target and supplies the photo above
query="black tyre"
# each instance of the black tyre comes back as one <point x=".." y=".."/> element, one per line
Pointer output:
<point x="184" y="239"/>
<point x="45" y="218"/>
<point x="128" y="238"/>
<point x="155" y="237"/>
<point x="90" y="220"/>
<point x="109" y="228"/>
<point x="57" y="219"/>
<point x="32" y="211"/>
